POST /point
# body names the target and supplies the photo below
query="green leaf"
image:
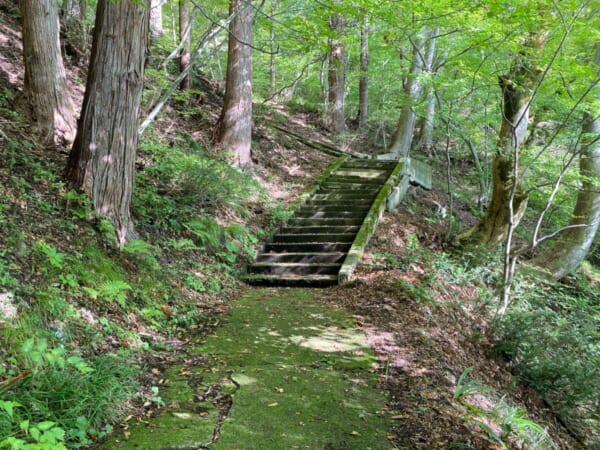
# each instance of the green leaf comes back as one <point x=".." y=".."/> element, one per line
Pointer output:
<point x="46" y="425"/>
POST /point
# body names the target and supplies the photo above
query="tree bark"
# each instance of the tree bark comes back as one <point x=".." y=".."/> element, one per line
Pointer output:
<point x="336" y="76"/>
<point x="564" y="256"/>
<point x="363" y="84"/>
<point x="402" y="140"/>
<point x="517" y="87"/>
<point x="102" y="162"/>
<point x="184" y="58"/>
<point x="45" y="84"/>
<point x="235" y="124"/>
<point x="425" y="143"/>
<point x="272" y="66"/>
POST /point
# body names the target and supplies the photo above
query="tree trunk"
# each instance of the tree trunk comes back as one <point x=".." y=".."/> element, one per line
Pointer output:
<point x="517" y="87"/>
<point x="156" y="17"/>
<point x="336" y="76"/>
<point x="185" y="37"/>
<point x="235" y="124"/>
<point x="575" y="242"/>
<point x="426" y="125"/>
<point x="102" y="162"/>
<point x="363" y="84"/>
<point x="402" y="140"/>
<point x="45" y="84"/>
<point x="273" y="49"/>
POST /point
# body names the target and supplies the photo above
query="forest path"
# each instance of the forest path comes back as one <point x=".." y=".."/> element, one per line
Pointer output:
<point x="283" y="371"/>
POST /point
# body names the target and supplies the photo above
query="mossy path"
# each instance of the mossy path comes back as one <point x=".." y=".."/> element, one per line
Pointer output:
<point x="284" y="371"/>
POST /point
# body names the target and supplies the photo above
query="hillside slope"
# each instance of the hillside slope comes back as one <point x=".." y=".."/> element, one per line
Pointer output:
<point x="63" y="281"/>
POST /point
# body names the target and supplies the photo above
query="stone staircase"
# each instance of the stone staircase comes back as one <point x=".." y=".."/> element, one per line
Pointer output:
<point x="332" y="220"/>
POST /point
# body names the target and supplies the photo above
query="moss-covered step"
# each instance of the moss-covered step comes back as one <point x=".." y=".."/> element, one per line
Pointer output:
<point x="320" y="229"/>
<point x="291" y="280"/>
<point x="296" y="268"/>
<point x="331" y="219"/>
<point x="306" y="257"/>
<point x="311" y="237"/>
<point x="323" y="213"/>
<point x="310" y="247"/>
<point x="333" y="207"/>
<point x="334" y="221"/>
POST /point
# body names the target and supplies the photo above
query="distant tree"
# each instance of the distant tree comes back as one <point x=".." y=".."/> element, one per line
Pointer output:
<point x="336" y="76"/>
<point x="102" y="162"/>
<point x="574" y="243"/>
<point x="425" y="123"/>
<point x="156" y="17"/>
<point x="363" y="84"/>
<point x="185" y="37"/>
<point x="45" y="85"/>
<point x="403" y="136"/>
<point x="234" y="128"/>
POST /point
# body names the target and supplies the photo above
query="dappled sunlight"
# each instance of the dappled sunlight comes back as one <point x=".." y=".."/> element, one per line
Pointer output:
<point x="333" y="339"/>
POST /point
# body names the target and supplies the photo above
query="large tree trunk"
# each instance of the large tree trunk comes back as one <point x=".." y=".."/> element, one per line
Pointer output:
<point x="45" y="85"/>
<point x="336" y="76"/>
<point x="363" y="84"/>
<point x="235" y="124"/>
<point x="102" y="162"/>
<point x="402" y="140"/>
<point x="185" y="37"/>
<point x="574" y="243"/>
<point x="501" y="214"/>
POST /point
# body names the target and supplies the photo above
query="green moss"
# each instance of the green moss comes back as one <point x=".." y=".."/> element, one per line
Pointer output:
<point x="299" y="375"/>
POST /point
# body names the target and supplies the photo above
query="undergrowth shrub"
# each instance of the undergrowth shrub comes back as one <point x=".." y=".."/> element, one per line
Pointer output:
<point x="63" y="393"/>
<point x="182" y="181"/>
<point x="551" y="337"/>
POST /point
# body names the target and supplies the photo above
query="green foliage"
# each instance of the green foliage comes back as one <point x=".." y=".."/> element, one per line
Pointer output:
<point x="503" y="422"/>
<point x="227" y="243"/>
<point x="7" y="280"/>
<point x="182" y="181"/>
<point x="62" y="399"/>
<point x="54" y="258"/>
<point x="551" y="337"/>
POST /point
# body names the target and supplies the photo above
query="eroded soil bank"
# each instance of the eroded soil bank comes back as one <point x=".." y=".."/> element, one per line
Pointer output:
<point x="284" y="371"/>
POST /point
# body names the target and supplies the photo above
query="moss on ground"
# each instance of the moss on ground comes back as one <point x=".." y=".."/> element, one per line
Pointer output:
<point x="283" y="372"/>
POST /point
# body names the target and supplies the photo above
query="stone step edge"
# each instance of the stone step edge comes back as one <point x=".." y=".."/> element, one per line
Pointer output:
<point x="370" y="223"/>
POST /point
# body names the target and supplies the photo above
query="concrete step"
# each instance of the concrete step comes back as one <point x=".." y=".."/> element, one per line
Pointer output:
<point x="319" y="230"/>
<point x="350" y="185"/>
<point x="311" y="247"/>
<point x="361" y="172"/>
<point x="356" y="179"/>
<point x="320" y="214"/>
<point x="326" y="221"/>
<point x="310" y="238"/>
<point x="332" y="208"/>
<point x="349" y="196"/>
<point x="339" y="202"/>
<point x="295" y="268"/>
<point x="368" y="164"/>
<point x="302" y="257"/>
<point x="291" y="280"/>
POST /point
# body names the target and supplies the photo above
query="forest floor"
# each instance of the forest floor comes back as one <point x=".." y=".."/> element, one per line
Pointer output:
<point x="424" y="328"/>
